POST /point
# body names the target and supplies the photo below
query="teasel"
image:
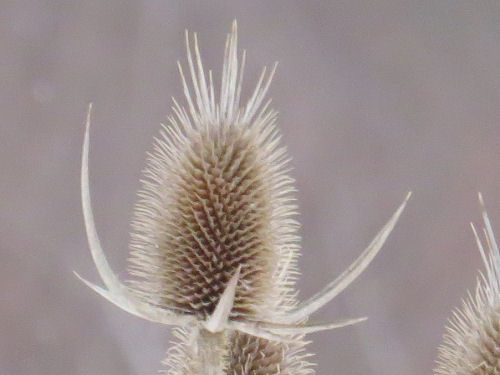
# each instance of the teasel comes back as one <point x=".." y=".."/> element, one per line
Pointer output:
<point x="472" y="339"/>
<point x="215" y="243"/>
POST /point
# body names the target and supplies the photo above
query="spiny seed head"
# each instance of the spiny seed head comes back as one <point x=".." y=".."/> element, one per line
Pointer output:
<point x="216" y="196"/>
<point x="472" y="339"/>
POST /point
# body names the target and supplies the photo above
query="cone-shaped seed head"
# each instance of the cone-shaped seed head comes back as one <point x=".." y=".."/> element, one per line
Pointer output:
<point x="216" y="197"/>
<point x="472" y="340"/>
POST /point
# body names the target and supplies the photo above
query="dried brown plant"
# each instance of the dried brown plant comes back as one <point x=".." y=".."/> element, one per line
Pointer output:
<point x="215" y="240"/>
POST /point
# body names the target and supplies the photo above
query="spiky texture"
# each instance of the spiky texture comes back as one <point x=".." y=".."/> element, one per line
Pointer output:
<point x="215" y="243"/>
<point x="217" y="197"/>
<point x="242" y="354"/>
<point x="472" y="340"/>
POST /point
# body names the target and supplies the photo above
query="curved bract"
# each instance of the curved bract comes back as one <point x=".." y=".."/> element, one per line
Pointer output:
<point x="214" y="242"/>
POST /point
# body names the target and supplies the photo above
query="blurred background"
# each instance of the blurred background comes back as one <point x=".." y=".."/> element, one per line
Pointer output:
<point x="375" y="97"/>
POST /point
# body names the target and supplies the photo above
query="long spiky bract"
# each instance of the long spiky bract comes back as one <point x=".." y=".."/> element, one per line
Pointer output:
<point x="214" y="242"/>
<point x="472" y="339"/>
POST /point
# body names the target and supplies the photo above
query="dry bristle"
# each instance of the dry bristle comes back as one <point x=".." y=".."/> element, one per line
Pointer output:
<point x="472" y="340"/>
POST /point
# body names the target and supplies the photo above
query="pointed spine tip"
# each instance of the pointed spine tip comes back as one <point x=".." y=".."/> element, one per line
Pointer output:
<point x="89" y="113"/>
<point x="481" y="200"/>
<point x="219" y="318"/>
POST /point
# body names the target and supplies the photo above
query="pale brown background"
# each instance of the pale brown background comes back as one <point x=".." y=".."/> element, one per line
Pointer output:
<point x="376" y="98"/>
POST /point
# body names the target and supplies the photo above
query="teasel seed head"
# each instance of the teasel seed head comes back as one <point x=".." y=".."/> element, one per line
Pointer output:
<point x="218" y="200"/>
<point x="472" y="340"/>
<point x="217" y="197"/>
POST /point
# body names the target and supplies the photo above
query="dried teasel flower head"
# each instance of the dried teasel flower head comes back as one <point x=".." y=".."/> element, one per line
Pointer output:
<point x="472" y="340"/>
<point x="215" y="240"/>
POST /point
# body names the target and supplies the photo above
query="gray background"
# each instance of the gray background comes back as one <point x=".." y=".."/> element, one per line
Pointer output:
<point x="375" y="98"/>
